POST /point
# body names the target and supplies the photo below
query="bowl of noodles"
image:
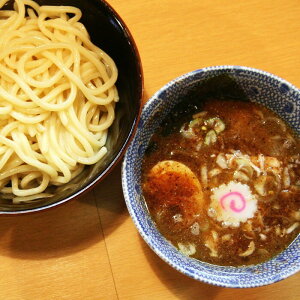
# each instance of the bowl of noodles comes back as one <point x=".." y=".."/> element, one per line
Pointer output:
<point x="212" y="176"/>
<point x="71" y="91"/>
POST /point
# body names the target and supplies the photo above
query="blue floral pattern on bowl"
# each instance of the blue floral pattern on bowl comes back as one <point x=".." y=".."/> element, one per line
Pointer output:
<point x="270" y="90"/>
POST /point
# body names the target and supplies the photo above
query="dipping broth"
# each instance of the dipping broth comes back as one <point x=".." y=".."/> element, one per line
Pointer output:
<point x="223" y="186"/>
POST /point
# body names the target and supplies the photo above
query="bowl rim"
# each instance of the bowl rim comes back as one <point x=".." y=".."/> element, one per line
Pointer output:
<point x="151" y="105"/>
<point x="128" y="139"/>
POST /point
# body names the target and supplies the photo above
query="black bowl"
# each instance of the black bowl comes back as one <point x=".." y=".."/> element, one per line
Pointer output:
<point x="109" y="32"/>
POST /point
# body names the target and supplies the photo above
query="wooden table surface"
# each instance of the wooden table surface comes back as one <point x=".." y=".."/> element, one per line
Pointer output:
<point x="89" y="248"/>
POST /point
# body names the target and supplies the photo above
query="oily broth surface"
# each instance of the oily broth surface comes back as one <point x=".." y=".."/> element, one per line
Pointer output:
<point x="252" y="130"/>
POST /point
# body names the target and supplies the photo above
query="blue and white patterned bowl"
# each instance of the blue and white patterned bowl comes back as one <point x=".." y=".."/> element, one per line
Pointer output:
<point x="272" y="91"/>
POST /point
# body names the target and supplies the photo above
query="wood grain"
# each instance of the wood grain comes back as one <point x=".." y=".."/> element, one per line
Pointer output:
<point x="89" y="248"/>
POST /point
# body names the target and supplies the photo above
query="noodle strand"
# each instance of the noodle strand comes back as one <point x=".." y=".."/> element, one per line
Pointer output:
<point x="57" y="99"/>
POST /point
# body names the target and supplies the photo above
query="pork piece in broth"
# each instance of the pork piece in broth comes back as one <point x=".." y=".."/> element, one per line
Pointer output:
<point x="225" y="187"/>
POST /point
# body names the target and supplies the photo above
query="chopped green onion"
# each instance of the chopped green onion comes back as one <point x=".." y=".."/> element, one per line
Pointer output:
<point x="216" y="123"/>
<point x="195" y="122"/>
<point x="211" y="137"/>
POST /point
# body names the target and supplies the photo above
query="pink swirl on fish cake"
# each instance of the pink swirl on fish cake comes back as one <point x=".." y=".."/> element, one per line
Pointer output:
<point x="233" y="198"/>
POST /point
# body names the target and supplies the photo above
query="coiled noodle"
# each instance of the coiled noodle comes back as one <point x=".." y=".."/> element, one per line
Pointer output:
<point x="57" y="98"/>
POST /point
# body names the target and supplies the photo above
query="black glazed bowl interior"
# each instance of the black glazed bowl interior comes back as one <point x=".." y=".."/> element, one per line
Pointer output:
<point x="107" y="31"/>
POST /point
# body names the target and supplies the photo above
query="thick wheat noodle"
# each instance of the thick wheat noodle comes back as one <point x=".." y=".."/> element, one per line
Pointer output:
<point x="57" y="98"/>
